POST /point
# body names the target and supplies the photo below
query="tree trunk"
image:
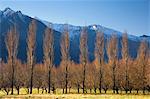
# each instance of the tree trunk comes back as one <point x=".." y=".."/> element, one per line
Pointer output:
<point x="53" y="90"/>
<point x="90" y="90"/>
<point x="18" y="90"/>
<point x="49" y="80"/>
<point x="63" y="90"/>
<point x="28" y="90"/>
<point x="143" y="79"/>
<point x="7" y="92"/>
<point x="31" y="79"/>
<point x="78" y="89"/>
<point x="126" y="91"/>
<point x="45" y="90"/>
<point x="105" y="91"/>
<point x="38" y="90"/>
<point x="83" y="87"/>
<point x="100" y="90"/>
<point x="66" y="78"/>
<point x="117" y="90"/>
<point x="100" y="82"/>
<point x="130" y="91"/>
<point x="126" y="77"/>
<point x="84" y="78"/>
<point x="144" y="90"/>
<point x="114" y="80"/>
<point x="12" y="79"/>
<point x="137" y="91"/>
<point x="95" y="90"/>
<point x="86" y="90"/>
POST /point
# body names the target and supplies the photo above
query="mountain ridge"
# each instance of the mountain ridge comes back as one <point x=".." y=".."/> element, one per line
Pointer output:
<point x="23" y="21"/>
<point x="108" y="31"/>
<point x="100" y="27"/>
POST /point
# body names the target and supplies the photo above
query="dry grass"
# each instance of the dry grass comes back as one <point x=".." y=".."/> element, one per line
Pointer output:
<point x="59" y="95"/>
<point x="77" y="96"/>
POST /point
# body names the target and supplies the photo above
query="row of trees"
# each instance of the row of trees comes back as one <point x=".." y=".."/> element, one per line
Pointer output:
<point x="125" y="74"/>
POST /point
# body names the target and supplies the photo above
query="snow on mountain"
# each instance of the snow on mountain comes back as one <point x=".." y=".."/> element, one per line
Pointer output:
<point x="105" y="30"/>
<point x="75" y="30"/>
<point x="8" y="12"/>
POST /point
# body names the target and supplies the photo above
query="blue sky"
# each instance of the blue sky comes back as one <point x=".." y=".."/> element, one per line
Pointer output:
<point x="130" y="15"/>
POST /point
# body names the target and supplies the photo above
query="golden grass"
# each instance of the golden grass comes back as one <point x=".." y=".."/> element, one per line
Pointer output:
<point x="59" y="95"/>
<point x="77" y="96"/>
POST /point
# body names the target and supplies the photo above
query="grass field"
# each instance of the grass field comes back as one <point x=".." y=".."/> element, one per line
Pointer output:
<point x="59" y="95"/>
<point x="76" y="96"/>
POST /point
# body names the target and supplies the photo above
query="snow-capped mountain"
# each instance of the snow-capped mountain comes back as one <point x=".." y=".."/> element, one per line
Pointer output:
<point x="8" y="12"/>
<point x="75" y="30"/>
<point x="9" y="17"/>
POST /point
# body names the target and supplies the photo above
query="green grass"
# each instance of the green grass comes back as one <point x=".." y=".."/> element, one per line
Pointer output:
<point x="73" y="95"/>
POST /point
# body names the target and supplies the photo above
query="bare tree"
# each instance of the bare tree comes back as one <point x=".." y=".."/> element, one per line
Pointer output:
<point x="31" y="41"/>
<point x="54" y="79"/>
<point x="26" y="73"/>
<point x="19" y="77"/>
<point x="91" y="77"/>
<point x="40" y="77"/>
<point x="148" y="71"/>
<point x="48" y="47"/>
<point x="112" y="50"/>
<point x="60" y="77"/>
<point x="125" y="57"/>
<point x="99" y="55"/>
<point x="83" y="54"/>
<point x="107" y="81"/>
<point x="6" y="78"/>
<point x="76" y="75"/>
<point x="65" y="46"/>
<point x="143" y="62"/>
<point x="12" y="44"/>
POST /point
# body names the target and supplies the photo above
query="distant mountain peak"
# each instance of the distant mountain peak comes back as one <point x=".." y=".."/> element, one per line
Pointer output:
<point x="8" y="11"/>
<point x="94" y="27"/>
<point x="145" y="36"/>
